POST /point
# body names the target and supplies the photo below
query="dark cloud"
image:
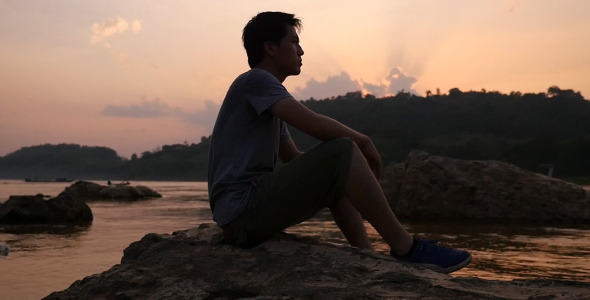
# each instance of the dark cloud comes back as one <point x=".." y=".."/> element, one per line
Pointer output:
<point x="333" y="86"/>
<point x="378" y="90"/>
<point x="396" y="81"/>
<point x="400" y="81"/>
<point x="204" y="117"/>
<point x="158" y="108"/>
<point x="147" y="109"/>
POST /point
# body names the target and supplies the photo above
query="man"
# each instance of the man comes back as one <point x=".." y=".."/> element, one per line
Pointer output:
<point x="252" y="200"/>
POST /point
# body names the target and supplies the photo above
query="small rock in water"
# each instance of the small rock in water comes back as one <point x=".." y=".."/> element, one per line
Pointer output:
<point x="4" y="250"/>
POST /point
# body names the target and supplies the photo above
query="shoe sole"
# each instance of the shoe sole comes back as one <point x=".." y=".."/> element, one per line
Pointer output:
<point x="438" y="269"/>
<point x="456" y="267"/>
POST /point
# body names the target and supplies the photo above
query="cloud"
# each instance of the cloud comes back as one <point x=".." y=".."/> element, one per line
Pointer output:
<point x="147" y="109"/>
<point x="205" y="117"/>
<point x="157" y="108"/>
<point x="136" y="26"/>
<point x="110" y="27"/>
<point x="396" y="81"/>
<point x="378" y="90"/>
<point x="333" y="86"/>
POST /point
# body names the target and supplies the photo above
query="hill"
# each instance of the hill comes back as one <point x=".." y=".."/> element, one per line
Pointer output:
<point x="533" y="131"/>
<point x="538" y="132"/>
<point x="171" y="162"/>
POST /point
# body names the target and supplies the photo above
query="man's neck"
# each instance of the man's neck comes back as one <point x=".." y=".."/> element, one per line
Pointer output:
<point x="272" y="70"/>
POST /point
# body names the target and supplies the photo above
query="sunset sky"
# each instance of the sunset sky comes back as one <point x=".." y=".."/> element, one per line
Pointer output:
<point x="136" y="75"/>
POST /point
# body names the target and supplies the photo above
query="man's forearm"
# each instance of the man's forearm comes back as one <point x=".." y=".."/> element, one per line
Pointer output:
<point x="326" y="128"/>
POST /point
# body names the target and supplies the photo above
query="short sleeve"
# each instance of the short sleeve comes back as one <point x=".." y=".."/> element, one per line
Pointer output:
<point x="263" y="90"/>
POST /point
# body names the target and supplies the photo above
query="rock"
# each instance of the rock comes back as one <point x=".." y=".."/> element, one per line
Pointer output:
<point x="427" y="187"/>
<point x="193" y="264"/>
<point x="36" y="210"/>
<point x="93" y="191"/>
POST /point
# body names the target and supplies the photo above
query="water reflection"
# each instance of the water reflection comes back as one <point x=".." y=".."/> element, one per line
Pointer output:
<point x="500" y="252"/>
<point x="34" y="238"/>
<point x="46" y="259"/>
<point x="42" y="228"/>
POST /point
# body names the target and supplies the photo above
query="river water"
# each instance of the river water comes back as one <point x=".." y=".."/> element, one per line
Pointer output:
<point x="44" y="260"/>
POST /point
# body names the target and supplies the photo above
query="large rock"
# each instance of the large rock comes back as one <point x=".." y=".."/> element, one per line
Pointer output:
<point x="192" y="264"/>
<point x="37" y="210"/>
<point x="93" y="191"/>
<point x="426" y="187"/>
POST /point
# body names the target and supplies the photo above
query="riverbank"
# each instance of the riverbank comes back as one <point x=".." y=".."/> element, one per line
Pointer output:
<point x="42" y="261"/>
<point x="193" y="264"/>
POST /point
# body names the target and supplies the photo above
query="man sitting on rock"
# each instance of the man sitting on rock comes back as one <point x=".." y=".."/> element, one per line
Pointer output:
<point x="252" y="200"/>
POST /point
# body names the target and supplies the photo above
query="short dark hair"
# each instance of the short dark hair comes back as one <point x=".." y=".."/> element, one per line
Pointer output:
<point x="266" y="27"/>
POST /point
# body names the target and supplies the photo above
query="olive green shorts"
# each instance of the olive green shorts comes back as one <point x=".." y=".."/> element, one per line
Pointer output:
<point x="293" y="193"/>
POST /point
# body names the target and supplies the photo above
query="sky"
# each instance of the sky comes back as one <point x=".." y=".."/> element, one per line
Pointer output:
<point x="135" y="75"/>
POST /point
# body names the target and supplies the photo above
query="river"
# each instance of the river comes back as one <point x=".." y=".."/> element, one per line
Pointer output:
<point x="43" y="260"/>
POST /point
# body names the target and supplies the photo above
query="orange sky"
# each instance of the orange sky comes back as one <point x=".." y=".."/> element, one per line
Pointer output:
<point x="136" y="75"/>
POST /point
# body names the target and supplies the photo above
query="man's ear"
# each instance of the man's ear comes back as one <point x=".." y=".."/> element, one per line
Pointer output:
<point x="270" y="48"/>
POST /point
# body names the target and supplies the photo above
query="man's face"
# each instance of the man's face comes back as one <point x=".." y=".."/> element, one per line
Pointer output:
<point x="289" y="54"/>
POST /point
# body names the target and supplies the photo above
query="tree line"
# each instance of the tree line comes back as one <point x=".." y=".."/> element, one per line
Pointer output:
<point x="535" y="131"/>
<point x="179" y="162"/>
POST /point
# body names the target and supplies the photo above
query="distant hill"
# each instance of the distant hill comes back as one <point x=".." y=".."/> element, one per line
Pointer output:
<point x="533" y="131"/>
<point x="63" y="160"/>
<point x="528" y="130"/>
<point x="171" y="162"/>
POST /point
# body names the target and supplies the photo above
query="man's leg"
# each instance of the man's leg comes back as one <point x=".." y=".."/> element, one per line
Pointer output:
<point x="295" y="193"/>
<point x="366" y="196"/>
<point x="350" y="223"/>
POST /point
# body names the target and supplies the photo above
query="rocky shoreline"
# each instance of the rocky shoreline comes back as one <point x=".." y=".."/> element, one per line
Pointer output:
<point x="89" y="191"/>
<point x="69" y="207"/>
<point x="429" y="187"/>
<point x="24" y="210"/>
<point x="194" y="264"/>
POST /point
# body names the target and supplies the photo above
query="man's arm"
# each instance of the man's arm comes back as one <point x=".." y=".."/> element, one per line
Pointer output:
<point x="324" y="128"/>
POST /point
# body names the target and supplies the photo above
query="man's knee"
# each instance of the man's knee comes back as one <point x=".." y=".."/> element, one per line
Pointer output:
<point x="342" y="142"/>
<point x="340" y="145"/>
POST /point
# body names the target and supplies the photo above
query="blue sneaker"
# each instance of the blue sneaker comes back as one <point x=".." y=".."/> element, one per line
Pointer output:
<point x="429" y="255"/>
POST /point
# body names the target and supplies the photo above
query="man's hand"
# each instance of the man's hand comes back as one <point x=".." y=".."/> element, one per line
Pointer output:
<point x="371" y="155"/>
<point x="324" y="128"/>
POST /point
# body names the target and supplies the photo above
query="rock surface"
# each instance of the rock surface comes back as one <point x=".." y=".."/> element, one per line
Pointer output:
<point x="192" y="264"/>
<point x="427" y="187"/>
<point x="93" y="191"/>
<point x="37" y="210"/>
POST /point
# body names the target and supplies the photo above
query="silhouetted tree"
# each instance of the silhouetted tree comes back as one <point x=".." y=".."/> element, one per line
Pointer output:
<point x="527" y="130"/>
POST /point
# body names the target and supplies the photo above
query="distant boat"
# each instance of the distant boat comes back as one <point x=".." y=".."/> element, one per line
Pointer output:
<point x="58" y="179"/>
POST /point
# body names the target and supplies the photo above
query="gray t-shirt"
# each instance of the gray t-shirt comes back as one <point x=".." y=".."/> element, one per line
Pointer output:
<point x="245" y="142"/>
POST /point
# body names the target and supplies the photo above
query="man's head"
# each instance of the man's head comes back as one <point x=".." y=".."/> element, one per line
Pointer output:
<point x="267" y="27"/>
